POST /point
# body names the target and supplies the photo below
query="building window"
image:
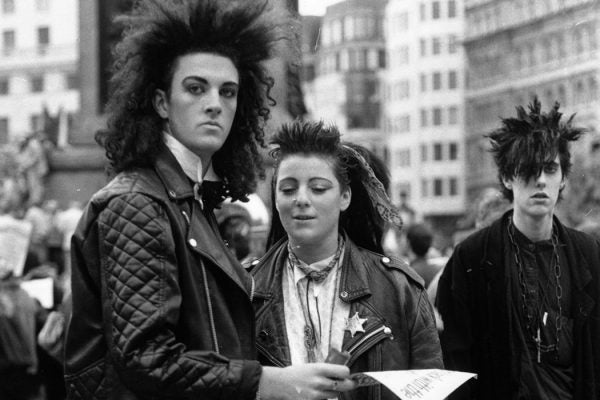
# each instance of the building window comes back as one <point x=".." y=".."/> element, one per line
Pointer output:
<point x="3" y="130"/>
<point x="423" y="47"/>
<point x="424" y="155"/>
<point x="452" y="80"/>
<point x="4" y="86"/>
<point x="72" y="79"/>
<point x="43" y="34"/>
<point x="424" y="188"/>
<point x="591" y="33"/>
<point x="452" y="9"/>
<point x="436" y="46"/>
<point x="453" y="151"/>
<point x="8" y="41"/>
<point x="8" y="6"/>
<point x="438" y="187"/>
<point x="36" y="122"/>
<point x="437" y="152"/>
<point x="37" y="84"/>
<point x="437" y="81"/>
<point x="578" y="39"/>
<point x="435" y="10"/>
<point x="424" y="121"/>
<point x="453" y="115"/>
<point x="437" y="116"/>
<point x="42" y="5"/>
<point x="336" y="31"/>
<point x="404" y="158"/>
<point x="423" y="11"/>
<point x="423" y="79"/>
<point x="453" y="187"/>
<point x="452" y="46"/>
<point x="381" y="58"/>
<point x="349" y="27"/>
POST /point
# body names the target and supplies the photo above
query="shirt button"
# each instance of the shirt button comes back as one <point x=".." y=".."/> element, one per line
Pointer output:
<point x="193" y="242"/>
<point x="344" y="294"/>
<point x="171" y="193"/>
<point x="385" y="260"/>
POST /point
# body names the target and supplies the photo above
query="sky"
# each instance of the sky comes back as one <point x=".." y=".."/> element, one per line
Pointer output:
<point x="314" y="7"/>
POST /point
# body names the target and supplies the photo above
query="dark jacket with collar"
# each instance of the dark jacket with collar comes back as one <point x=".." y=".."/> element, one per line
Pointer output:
<point x="400" y="329"/>
<point x="160" y="307"/>
<point x="472" y="300"/>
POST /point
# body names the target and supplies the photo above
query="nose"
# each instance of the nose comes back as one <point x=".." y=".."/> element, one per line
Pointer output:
<point x="301" y="199"/>
<point x="540" y="181"/>
<point x="212" y="105"/>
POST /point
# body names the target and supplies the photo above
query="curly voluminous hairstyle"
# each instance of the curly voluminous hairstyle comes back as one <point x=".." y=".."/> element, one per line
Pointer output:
<point x="361" y="220"/>
<point x="522" y="146"/>
<point x="157" y="33"/>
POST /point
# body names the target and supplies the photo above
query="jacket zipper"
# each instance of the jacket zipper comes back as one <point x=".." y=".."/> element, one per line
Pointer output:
<point x="369" y="339"/>
<point x="265" y="353"/>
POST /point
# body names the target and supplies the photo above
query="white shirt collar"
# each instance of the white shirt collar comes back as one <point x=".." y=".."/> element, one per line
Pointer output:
<point x="189" y="161"/>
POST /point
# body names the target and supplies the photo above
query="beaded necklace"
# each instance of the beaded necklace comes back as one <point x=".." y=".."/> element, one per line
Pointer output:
<point x="534" y="326"/>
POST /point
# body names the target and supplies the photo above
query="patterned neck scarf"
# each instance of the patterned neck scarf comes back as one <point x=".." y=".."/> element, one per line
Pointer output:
<point x="312" y="274"/>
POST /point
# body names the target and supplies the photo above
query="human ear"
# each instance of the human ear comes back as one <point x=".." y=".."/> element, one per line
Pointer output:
<point x="507" y="183"/>
<point x="161" y="103"/>
<point x="346" y="198"/>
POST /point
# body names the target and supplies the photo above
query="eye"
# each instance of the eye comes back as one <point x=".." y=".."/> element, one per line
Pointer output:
<point x="550" y="169"/>
<point x="319" y="189"/>
<point x="287" y="190"/>
<point x="195" y="89"/>
<point x="229" y="93"/>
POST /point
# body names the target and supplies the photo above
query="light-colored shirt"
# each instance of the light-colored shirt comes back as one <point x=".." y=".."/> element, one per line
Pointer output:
<point x="323" y="295"/>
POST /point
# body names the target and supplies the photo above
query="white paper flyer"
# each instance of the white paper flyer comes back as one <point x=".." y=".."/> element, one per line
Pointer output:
<point x="417" y="384"/>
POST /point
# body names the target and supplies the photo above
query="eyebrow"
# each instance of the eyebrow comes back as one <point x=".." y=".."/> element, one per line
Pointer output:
<point x="205" y="81"/>
<point x="289" y="178"/>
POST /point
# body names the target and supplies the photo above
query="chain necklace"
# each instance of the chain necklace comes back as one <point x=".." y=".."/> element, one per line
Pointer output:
<point x="311" y="340"/>
<point x="534" y="327"/>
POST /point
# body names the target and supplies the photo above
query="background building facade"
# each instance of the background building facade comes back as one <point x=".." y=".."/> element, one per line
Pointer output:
<point x="517" y="49"/>
<point x="39" y="55"/>
<point x="349" y="60"/>
<point x="423" y="110"/>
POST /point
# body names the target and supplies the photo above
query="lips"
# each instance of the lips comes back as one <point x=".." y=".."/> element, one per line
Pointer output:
<point x="303" y="217"/>
<point x="540" y="196"/>
<point x="212" y="123"/>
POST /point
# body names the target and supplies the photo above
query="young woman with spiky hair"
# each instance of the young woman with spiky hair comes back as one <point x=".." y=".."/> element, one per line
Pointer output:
<point x="161" y="308"/>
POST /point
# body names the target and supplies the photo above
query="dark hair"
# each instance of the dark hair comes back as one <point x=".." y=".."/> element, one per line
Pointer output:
<point x="157" y="33"/>
<point x="360" y="220"/>
<point x="522" y="146"/>
<point x="419" y="239"/>
<point x="235" y="231"/>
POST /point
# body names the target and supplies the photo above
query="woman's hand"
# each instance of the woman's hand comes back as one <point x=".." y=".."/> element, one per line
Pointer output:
<point x="305" y="381"/>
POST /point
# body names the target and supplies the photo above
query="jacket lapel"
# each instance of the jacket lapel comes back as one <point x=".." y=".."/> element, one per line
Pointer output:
<point x="271" y="340"/>
<point x="201" y="237"/>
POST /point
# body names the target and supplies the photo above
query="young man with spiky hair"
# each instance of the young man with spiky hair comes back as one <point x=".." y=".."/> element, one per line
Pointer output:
<point x="519" y="299"/>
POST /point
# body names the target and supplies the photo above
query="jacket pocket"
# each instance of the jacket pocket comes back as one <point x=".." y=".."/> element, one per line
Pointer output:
<point x="90" y="383"/>
<point x="369" y="339"/>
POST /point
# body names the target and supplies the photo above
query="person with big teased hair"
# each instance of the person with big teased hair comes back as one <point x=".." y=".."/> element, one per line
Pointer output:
<point x="324" y="287"/>
<point x="519" y="298"/>
<point x="161" y="308"/>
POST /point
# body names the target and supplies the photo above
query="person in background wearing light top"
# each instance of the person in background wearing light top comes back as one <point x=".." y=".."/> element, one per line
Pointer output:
<point x="324" y="283"/>
<point x="519" y="298"/>
<point x="161" y="308"/>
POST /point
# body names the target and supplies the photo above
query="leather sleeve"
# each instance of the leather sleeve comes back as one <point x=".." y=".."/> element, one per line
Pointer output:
<point x="141" y="300"/>
<point x="425" y="343"/>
